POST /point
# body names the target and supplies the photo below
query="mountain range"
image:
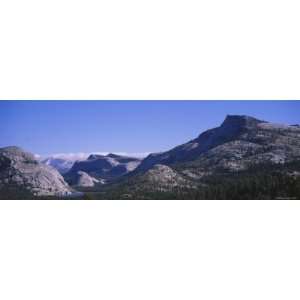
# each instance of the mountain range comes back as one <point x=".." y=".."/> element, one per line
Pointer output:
<point x="242" y="157"/>
<point x="102" y="168"/>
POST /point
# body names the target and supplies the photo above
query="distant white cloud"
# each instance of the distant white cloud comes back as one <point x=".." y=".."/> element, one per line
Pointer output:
<point x="137" y="154"/>
<point x="82" y="155"/>
<point x="71" y="156"/>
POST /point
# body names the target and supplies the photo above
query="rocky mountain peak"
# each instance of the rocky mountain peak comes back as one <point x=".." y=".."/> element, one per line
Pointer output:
<point x="12" y="149"/>
<point x="240" y="121"/>
<point x="112" y="155"/>
<point x="95" y="156"/>
<point x="16" y="154"/>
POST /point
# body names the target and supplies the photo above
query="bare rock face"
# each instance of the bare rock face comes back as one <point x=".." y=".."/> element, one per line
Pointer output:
<point x="85" y="180"/>
<point x="159" y="179"/>
<point x="163" y="175"/>
<point x="20" y="169"/>
<point x="163" y="178"/>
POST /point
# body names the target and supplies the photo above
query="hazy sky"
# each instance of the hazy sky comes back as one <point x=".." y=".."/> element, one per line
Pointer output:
<point x="47" y="127"/>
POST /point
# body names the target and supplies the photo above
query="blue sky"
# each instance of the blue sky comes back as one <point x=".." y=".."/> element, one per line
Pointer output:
<point x="48" y="127"/>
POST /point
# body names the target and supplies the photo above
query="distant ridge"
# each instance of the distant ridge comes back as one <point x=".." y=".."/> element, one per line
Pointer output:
<point x="103" y="167"/>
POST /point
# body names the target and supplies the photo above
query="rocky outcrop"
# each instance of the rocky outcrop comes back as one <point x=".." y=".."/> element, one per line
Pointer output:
<point x="153" y="184"/>
<point x="19" y="170"/>
<point x="82" y="179"/>
<point x="163" y="178"/>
